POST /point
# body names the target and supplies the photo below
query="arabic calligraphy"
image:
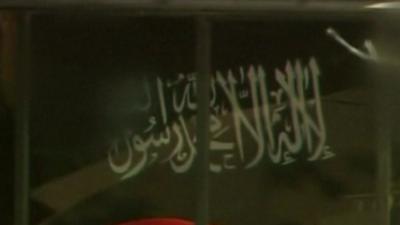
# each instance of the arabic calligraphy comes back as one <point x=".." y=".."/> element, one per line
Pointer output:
<point x="253" y="117"/>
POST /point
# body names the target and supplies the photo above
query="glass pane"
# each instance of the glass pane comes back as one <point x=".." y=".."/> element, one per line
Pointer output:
<point x="293" y="132"/>
<point x="112" y="136"/>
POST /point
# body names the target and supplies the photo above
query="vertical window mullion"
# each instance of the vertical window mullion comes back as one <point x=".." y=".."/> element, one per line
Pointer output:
<point x="22" y="148"/>
<point x="203" y="65"/>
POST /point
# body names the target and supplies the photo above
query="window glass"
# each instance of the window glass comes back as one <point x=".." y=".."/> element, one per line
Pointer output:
<point x="294" y="139"/>
<point x="112" y="132"/>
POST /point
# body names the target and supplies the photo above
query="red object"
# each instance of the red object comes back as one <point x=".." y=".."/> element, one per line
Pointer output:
<point x="158" y="221"/>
